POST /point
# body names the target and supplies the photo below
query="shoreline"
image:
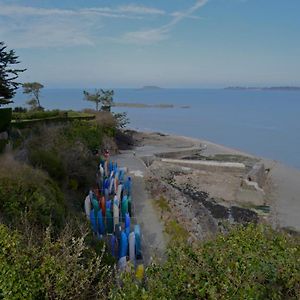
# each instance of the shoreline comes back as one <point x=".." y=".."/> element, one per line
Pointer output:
<point x="282" y="185"/>
<point x="217" y="147"/>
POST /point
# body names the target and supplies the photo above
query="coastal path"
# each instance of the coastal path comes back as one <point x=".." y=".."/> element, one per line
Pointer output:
<point x="153" y="239"/>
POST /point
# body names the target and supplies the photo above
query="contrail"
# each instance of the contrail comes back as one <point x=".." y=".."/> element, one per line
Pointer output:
<point x="159" y="33"/>
<point x="184" y="14"/>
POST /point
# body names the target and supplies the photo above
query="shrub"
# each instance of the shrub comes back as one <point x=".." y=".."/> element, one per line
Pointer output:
<point x="24" y="190"/>
<point x="63" y="152"/>
<point x="36" y="114"/>
<point x="121" y="119"/>
<point x="252" y="262"/>
<point x="64" y="268"/>
<point x="89" y="133"/>
<point x="48" y="161"/>
<point x="19" y="278"/>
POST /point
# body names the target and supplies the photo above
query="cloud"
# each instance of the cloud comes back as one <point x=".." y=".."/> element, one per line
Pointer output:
<point x="158" y="34"/>
<point x="58" y="33"/>
<point x="122" y="11"/>
<point x="145" y="36"/>
<point x="179" y="13"/>
<point x="18" y="10"/>
<point x="29" y="27"/>
<point x="138" y="9"/>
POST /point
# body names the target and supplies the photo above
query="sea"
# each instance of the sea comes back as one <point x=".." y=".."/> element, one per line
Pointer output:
<point x="264" y="123"/>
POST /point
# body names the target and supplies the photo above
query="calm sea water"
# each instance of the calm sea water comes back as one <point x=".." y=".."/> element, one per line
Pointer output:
<point x="264" y="123"/>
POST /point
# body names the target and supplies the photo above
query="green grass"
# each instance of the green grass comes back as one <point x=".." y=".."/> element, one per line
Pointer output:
<point x="162" y="204"/>
<point x="176" y="231"/>
<point x="40" y="115"/>
<point x="22" y="120"/>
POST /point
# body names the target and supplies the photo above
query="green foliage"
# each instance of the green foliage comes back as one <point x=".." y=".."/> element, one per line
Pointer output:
<point x="19" y="278"/>
<point x="65" y="152"/>
<point x="30" y="192"/>
<point x="252" y="262"/>
<point x="64" y="268"/>
<point x="31" y="115"/>
<point x="175" y="231"/>
<point x="162" y="204"/>
<point x="33" y="89"/>
<point x="8" y="74"/>
<point x="107" y="99"/>
<point x="49" y="161"/>
<point x="96" y="97"/>
<point x="89" y="133"/>
<point x="122" y="119"/>
<point x="100" y="97"/>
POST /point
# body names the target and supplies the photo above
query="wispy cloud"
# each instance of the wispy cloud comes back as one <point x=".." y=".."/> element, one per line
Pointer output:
<point x="153" y="35"/>
<point x="28" y="26"/>
<point x="128" y="11"/>
<point x="138" y="9"/>
<point x="59" y="32"/>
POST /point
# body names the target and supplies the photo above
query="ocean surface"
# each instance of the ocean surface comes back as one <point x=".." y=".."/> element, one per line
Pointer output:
<point x="263" y="123"/>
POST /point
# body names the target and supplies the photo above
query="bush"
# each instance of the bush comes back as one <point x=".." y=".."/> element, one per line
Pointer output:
<point x="48" y="161"/>
<point x="19" y="278"/>
<point x="121" y="119"/>
<point x="64" y="152"/>
<point x="252" y="262"/>
<point x="89" y="133"/>
<point x="36" y="114"/>
<point x="30" y="192"/>
<point x="53" y="269"/>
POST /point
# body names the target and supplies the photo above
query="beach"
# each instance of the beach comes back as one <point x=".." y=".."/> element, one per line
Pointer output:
<point x="218" y="178"/>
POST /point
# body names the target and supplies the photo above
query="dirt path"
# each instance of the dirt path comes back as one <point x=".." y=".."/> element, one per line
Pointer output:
<point x="153" y="239"/>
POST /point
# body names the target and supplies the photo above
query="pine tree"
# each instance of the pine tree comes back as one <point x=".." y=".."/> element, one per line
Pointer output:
<point x="8" y="74"/>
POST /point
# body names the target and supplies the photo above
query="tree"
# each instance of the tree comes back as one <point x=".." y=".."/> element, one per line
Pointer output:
<point x="33" y="89"/>
<point x="8" y="74"/>
<point x="107" y="99"/>
<point x="96" y="97"/>
<point x="100" y="97"/>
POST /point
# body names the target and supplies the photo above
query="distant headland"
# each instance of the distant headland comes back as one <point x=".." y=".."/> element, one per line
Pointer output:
<point x="274" y="88"/>
<point x="150" y="87"/>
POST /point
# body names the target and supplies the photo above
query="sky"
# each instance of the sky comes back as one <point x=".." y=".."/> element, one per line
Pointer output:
<point x="168" y="43"/>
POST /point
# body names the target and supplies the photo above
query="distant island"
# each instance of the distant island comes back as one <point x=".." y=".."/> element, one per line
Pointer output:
<point x="274" y="88"/>
<point x="150" y="87"/>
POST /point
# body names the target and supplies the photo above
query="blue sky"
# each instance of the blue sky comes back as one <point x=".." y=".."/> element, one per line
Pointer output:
<point x="170" y="43"/>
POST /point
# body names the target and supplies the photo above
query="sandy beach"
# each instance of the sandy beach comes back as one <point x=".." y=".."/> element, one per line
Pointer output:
<point x="280" y="192"/>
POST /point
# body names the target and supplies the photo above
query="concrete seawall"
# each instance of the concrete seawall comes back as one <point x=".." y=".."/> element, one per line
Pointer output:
<point x="207" y="165"/>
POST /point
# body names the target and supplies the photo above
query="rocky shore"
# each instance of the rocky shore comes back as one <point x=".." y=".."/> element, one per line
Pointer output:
<point x="208" y="186"/>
